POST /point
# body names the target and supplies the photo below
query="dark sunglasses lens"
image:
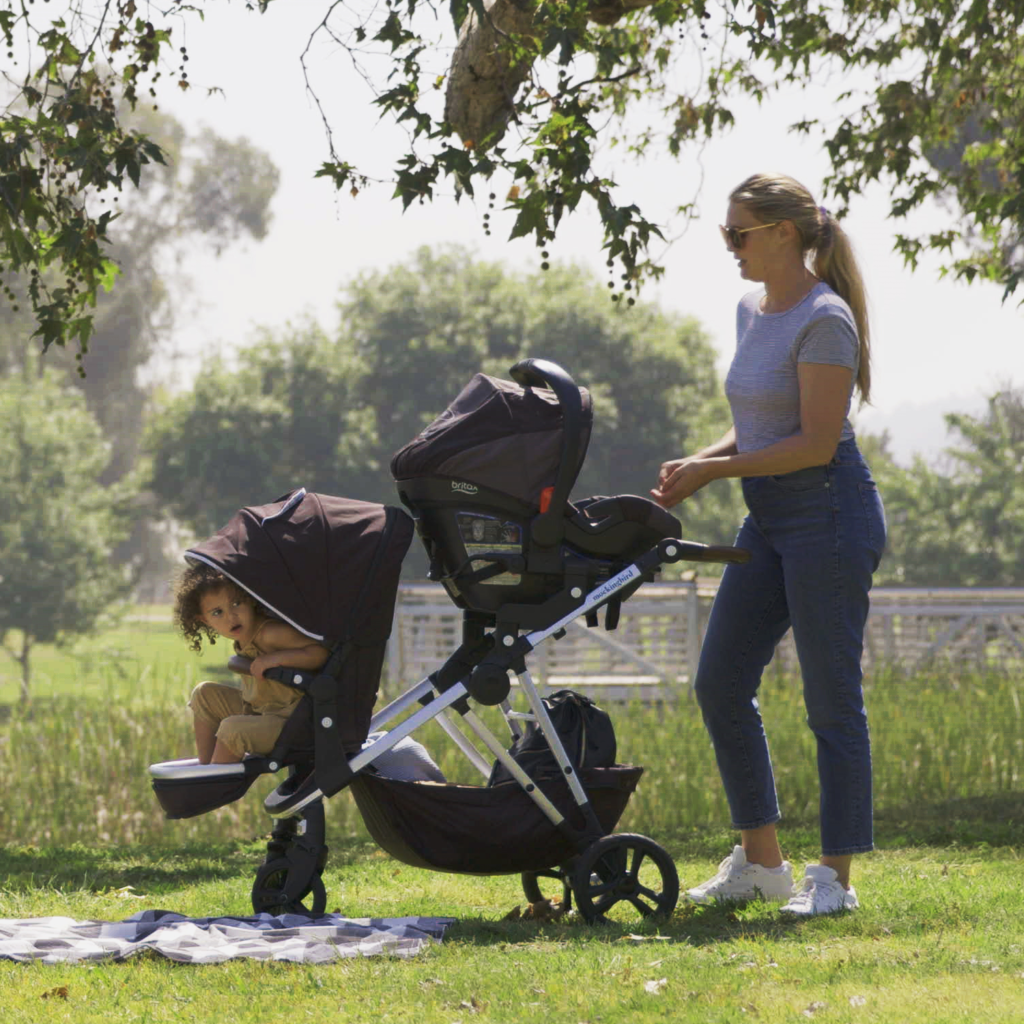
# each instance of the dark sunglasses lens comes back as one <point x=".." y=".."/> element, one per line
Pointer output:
<point x="732" y="237"/>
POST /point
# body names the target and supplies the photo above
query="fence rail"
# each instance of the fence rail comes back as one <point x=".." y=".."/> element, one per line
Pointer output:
<point x="654" y="651"/>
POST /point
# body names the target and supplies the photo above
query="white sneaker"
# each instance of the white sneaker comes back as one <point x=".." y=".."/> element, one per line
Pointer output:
<point x="821" y="892"/>
<point x="738" y="879"/>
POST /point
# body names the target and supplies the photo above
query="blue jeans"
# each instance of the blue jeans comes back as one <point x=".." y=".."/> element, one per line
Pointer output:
<point x="815" y="538"/>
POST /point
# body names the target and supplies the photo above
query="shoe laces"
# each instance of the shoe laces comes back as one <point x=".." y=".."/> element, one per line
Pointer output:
<point x="728" y="869"/>
<point x="809" y="888"/>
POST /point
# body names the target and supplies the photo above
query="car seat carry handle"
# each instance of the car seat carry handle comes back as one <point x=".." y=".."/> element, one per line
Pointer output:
<point x="549" y="526"/>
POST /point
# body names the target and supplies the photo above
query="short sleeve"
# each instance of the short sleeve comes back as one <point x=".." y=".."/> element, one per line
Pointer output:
<point x="831" y="340"/>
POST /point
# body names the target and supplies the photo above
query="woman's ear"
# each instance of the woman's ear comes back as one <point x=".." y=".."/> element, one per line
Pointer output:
<point x="789" y="233"/>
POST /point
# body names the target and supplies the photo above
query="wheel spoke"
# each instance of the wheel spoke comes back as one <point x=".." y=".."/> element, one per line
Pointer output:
<point x="656" y="897"/>
<point x="607" y="903"/>
<point x="638" y="856"/>
<point x="645" y="911"/>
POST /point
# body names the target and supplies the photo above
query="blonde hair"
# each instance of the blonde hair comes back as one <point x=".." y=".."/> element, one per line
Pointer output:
<point x="777" y="197"/>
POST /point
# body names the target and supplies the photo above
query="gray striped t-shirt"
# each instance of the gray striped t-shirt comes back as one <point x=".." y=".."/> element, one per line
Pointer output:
<point x="762" y="385"/>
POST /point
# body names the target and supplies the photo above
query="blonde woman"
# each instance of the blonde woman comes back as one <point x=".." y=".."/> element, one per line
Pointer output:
<point x="815" y="530"/>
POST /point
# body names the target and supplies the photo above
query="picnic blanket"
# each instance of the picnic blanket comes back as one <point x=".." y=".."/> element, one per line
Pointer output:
<point x="212" y="940"/>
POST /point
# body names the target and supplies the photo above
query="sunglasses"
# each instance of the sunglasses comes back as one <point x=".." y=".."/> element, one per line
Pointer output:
<point x="734" y="236"/>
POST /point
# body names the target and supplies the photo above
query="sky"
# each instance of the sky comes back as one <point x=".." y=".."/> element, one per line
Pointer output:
<point x="938" y="346"/>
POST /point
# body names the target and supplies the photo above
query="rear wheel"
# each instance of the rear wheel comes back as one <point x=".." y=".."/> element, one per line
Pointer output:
<point x="621" y="878"/>
<point x="270" y="893"/>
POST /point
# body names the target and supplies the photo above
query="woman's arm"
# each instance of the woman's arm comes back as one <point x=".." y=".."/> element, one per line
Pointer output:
<point x="287" y="647"/>
<point x="824" y="394"/>
<point x="725" y="445"/>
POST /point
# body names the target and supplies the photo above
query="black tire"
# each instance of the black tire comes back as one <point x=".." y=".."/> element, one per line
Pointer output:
<point x="607" y="875"/>
<point x="532" y="889"/>
<point x="268" y="891"/>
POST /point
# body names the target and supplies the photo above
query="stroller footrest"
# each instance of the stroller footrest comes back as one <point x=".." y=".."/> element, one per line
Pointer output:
<point x="190" y="768"/>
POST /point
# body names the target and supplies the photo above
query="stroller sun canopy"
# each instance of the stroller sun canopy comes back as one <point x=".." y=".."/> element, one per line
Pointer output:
<point x="495" y="434"/>
<point x="329" y="566"/>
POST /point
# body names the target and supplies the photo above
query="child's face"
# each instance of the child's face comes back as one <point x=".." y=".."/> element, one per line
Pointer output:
<point x="230" y="613"/>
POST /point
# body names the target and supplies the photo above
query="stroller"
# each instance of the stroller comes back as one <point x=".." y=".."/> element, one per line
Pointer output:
<point x="487" y="485"/>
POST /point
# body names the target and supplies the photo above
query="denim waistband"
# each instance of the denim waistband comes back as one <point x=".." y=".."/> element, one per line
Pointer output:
<point x="847" y="454"/>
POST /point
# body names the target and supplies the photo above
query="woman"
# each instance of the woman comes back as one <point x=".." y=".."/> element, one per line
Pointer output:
<point x="815" y="532"/>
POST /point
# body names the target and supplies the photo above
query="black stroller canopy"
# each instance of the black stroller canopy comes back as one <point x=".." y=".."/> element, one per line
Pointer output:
<point x="495" y="434"/>
<point x="328" y="566"/>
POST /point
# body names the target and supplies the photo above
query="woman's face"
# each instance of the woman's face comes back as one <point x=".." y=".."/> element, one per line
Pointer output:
<point x="757" y="249"/>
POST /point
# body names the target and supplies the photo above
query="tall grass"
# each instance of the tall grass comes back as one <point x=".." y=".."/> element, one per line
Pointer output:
<point x="75" y="765"/>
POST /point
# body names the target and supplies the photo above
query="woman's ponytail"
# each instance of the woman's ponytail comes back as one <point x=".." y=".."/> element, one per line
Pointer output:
<point x="836" y="265"/>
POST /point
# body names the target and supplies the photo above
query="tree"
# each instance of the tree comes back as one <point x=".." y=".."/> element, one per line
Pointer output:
<point x="60" y="524"/>
<point x="285" y="417"/>
<point x="330" y="414"/>
<point x="566" y="77"/>
<point x="210" y="192"/>
<point x="963" y="526"/>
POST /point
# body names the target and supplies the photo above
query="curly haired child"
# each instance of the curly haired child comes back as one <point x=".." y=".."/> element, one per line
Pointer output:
<point x="230" y="722"/>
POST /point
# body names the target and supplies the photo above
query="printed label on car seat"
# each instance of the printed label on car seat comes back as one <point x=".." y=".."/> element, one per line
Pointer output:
<point x="483" y="534"/>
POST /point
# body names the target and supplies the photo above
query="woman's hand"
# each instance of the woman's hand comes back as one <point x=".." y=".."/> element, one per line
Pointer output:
<point x="679" y="478"/>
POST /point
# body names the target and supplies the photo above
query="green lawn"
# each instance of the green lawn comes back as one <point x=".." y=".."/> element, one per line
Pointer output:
<point x="938" y="937"/>
<point x="142" y="653"/>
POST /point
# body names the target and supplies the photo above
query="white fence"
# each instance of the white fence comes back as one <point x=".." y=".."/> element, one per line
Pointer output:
<point x="654" y="651"/>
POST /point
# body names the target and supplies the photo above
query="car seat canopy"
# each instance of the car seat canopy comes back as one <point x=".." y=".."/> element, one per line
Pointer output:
<point x="497" y="435"/>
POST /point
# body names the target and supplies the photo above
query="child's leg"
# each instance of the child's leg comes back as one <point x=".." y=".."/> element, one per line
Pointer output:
<point x="252" y="733"/>
<point x="211" y="703"/>
<point x="224" y="755"/>
<point x="206" y="739"/>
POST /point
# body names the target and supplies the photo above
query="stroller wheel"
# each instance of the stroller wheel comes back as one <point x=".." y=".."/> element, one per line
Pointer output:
<point x="622" y="877"/>
<point x="271" y="891"/>
<point x="532" y="890"/>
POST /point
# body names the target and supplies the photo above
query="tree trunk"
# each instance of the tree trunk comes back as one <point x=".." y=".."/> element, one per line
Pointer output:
<point x="483" y="81"/>
<point x="26" y="674"/>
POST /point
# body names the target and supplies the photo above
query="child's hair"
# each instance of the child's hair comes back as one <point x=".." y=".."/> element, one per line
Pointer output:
<point x="189" y="587"/>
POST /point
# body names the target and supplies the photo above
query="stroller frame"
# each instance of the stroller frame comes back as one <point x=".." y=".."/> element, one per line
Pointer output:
<point x="600" y="869"/>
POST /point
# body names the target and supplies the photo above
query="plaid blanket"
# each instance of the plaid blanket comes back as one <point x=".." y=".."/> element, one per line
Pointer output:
<point x="212" y="940"/>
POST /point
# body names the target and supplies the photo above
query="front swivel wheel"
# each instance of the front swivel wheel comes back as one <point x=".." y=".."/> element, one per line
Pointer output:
<point x="624" y="877"/>
<point x="277" y="890"/>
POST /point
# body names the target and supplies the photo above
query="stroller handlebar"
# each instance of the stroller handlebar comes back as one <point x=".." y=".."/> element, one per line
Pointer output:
<point x="549" y="527"/>
<point x="692" y="551"/>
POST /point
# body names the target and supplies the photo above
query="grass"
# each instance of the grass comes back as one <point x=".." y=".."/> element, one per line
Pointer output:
<point x="938" y="939"/>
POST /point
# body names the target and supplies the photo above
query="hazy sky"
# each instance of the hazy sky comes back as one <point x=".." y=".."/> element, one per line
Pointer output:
<point x="938" y="346"/>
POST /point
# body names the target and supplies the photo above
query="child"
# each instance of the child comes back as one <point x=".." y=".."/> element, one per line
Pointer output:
<point x="228" y="722"/>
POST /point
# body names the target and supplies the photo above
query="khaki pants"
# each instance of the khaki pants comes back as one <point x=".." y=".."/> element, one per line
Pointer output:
<point x="241" y="728"/>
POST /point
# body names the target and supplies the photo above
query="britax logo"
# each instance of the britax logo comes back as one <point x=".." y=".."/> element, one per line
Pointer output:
<point x="458" y="485"/>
